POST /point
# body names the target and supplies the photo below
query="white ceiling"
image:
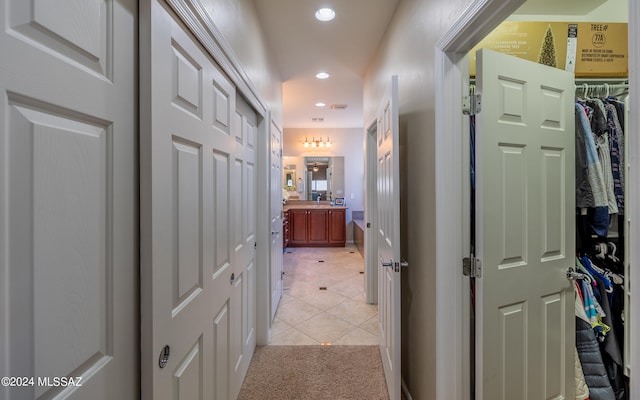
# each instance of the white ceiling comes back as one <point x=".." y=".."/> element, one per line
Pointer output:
<point x="303" y="46"/>
<point x="343" y="47"/>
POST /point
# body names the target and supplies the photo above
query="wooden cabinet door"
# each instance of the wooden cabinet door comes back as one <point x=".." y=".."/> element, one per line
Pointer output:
<point x="298" y="229"/>
<point x="337" y="227"/>
<point x="318" y="224"/>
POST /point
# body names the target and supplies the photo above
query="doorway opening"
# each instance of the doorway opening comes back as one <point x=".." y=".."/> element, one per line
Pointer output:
<point x="339" y="180"/>
<point x="452" y="64"/>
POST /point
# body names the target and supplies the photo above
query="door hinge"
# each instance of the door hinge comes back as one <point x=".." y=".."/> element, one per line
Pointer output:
<point x="472" y="104"/>
<point x="472" y="267"/>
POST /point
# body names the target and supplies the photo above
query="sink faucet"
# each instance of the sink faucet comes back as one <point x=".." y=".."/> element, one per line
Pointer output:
<point x="318" y="199"/>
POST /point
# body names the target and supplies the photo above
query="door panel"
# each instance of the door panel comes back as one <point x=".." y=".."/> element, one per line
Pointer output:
<point x="187" y="268"/>
<point x="275" y="161"/>
<point x="318" y="226"/>
<point x="526" y="223"/>
<point x="388" y="197"/>
<point x="299" y="226"/>
<point x="337" y="227"/>
<point x="243" y="302"/>
<point x="199" y="218"/>
<point x="68" y="206"/>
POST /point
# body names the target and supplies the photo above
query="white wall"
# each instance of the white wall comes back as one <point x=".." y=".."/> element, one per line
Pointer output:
<point x="346" y="142"/>
<point x="238" y="22"/>
<point x="408" y="51"/>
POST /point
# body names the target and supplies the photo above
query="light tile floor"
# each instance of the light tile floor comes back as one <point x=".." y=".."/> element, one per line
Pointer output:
<point x="337" y="314"/>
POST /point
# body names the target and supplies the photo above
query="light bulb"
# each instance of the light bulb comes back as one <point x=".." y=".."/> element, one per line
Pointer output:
<point x="325" y="14"/>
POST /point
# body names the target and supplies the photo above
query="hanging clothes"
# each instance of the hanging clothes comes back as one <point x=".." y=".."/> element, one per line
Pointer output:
<point x="582" y="390"/>
<point x="590" y="187"/>
<point x="591" y="193"/>
<point x="600" y="295"/>
<point x="604" y="154"/>
<point x="590" y="357"/>
<point x="609" y="347"/>
<point x="617" y="169"/>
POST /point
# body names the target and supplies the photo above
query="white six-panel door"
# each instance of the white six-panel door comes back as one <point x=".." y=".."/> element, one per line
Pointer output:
<point x="388" y="198"/>
<point x="526" y="220"/>
<point x="68" y="222"/>
<point x="198" y="207"/>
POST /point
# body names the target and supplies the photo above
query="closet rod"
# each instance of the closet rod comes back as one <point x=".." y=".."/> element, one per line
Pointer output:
<point x="602" y="87"/>
<point x="601" y="81"/>
<point x="611" y="86"/>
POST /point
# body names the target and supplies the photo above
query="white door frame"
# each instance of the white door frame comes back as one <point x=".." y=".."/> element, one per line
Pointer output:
<point x="452" y="296"/>
<point x="370" y="215"/>
<point x="195" y="17"/>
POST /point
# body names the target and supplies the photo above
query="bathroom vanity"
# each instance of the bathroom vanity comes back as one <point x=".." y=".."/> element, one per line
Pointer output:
<point x="309" y="224"/>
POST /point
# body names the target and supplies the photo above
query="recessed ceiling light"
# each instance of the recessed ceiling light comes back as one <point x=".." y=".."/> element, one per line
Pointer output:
<point x="325" y="14"/>
<point x="322" y="75"/>
<point x="320" y="104"/>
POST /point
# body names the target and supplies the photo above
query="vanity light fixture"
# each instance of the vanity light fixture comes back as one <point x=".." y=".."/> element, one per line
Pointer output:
<point x="325" y="14"/>
<point x="320" y="104"/>
<point x="322" y="75"/>
<point x="317" y="143"/>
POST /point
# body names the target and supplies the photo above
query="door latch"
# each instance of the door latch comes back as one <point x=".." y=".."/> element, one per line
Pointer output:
<point x="472" y="267"/>
<point x="386" y="263"/>
<point x="394" y="264"/>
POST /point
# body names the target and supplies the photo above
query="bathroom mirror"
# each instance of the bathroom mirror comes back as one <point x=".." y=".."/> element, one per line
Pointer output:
<point x="303" y="183"/>
<point x="289" y="177"/>
<point x="324" y="178"/>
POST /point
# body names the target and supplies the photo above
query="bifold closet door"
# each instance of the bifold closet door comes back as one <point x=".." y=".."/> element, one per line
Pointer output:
<point x="68" y="221"/>
<point x="198" y="201"/>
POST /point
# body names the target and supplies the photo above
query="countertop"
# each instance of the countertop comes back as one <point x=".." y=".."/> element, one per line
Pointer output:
<point x="310" y="205"/>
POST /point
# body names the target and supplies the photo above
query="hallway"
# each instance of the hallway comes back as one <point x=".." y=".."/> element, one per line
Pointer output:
<point x="323" y="300"/>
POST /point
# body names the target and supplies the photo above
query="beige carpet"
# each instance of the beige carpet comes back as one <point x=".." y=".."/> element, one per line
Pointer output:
<point x="315" y="373"/>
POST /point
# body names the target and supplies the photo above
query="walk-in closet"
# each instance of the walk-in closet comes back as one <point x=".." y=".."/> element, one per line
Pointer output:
<point x="601" y="124"/>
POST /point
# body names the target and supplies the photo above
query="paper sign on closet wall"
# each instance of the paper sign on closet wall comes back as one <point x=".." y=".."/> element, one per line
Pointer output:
<point x="601" y="49"/>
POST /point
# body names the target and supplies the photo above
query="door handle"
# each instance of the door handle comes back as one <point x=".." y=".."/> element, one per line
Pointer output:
<point x="574" y="275"/>
<point x="275" y="232"/>
<point x="386" y="263"/>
